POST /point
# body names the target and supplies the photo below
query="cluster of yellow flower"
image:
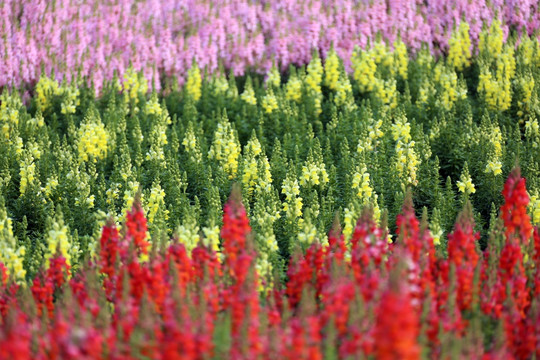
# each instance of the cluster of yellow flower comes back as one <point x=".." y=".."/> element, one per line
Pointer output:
<point x="534" y="208"/>
<point x="375" y="69"/>
<point x="211" y="237"/>
<point x="450" y="89"/>
<point x="191" y="145"/>
<point x="265" y="214"/>
<point x="58" y="240"/>
<point x="226" y="148"/>
<point x="45" y="89"/>
<point x="92" y="139"/>
<point x="274" y="77"/>
<point x="194" y="82"/>
<point x="27" y="172"/>
<point x="265" y="271"/>
<point x="401" y="59"/>
<point x="407" y="160"/>
<point x="386" y="92"/>
<point x="350" y="217"/>
<point x="382" y="55"/>
<point x="188" y="233"/>
<point x="426" y="88"/>
<point x="331" y="70"/>
<point x="131" y="189"/>
<point x="314" y="80"/>
<point x="269" y="102"/>
<point x="11" y="254"/>
<point x="496" y="88"/>
<point x="156" y="202"/>
<point x="50" y="185"/>
<point x="9" y="113"/>
<point x="293" y="89"/>
<point x="364" y="69"/>
<point x="314" y="173"/>
<point x="220" y="85"/>
<point x="344" y="92"/>
<point x="532" y="132"/>
<point x="134" y="85"/>
<point x="71" y="99"/>
<point x="158" y="139"/>
<point x="249" y="94"/>
<point x="360" y="183"/>
<point x="526" y="86"/>
<point x="152" y="106"/>
<point x="491" y="42"/>
<point x="494" y="164"/>
<point x="249" y="166"/>
<point x="459" y="54"/>
<point x="267" y="238"/>
<point x="307" y="233"/>
<point x="372" y="139"/>
<point x="465" y="184"/>
<point x="364" y="191"/>
<point x="435" y="227"/>
<point x="293" y="202"/>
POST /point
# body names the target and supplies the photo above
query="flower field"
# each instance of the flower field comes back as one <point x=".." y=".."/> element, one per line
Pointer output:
<point x="215" y="180"/>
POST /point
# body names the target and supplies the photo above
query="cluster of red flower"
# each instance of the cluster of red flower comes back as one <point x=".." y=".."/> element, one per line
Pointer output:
<point x="354" y="298"/>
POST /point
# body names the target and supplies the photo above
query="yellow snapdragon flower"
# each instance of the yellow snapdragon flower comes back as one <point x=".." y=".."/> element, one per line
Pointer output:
<point x="134" y="85"/>
<point x="307" y="233"/>
<point x="269" y="102"/>
<point x="494" y="167"/>
<point x="226" y="148"/>
<point x="534" y="208"/>
<point x="45" y="89"/>
<point x="344" y="92"/>
<point x="364" y="67"/>
<point x="407" y="160"/>
<point x="274" y="78"/>
<point x="249" y="94"/>
<point x="92" y="140"/>
<point x="314" y="174"/>
<point x="293" y="202"/>
<point x="491" y="42"/>
<point x="211" y="237"/>
<point x="465" y="184"/>
<point x="27" y="173"/>
<point x="194" y="82"/>
<point x="71" y="99"/>
<point x="11" y="255"/>
<point x="152" y="106"/>
<point x="221" y="85"/>
<point x="155" y="202"/>
<point x="57" y="238"/>
<point x="331" y="70"/>
<point x="190" y="143"/>
<point x="459" y="54"/>
<point x="401" y="59"/>
<point x="188" y="234"/>
<point x="361" y="183"/>
<point x="293" y="89"/>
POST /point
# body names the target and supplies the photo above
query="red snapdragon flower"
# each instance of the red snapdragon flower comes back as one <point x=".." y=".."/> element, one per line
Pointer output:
<point x="136" y="228"/>
<point x="462" y="253"/>
<point x="397" y="326"/>
<point x="109" y="243"/>
<point x="514" y="210"/>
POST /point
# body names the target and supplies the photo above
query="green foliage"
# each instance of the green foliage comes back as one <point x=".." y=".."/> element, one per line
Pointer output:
<point x="184" y="151"/>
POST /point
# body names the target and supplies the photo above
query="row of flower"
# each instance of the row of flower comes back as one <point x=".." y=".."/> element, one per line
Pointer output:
<point x="96" y="39"/>
<point x="304" y="149"/>
<point x="356" y="298"/>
